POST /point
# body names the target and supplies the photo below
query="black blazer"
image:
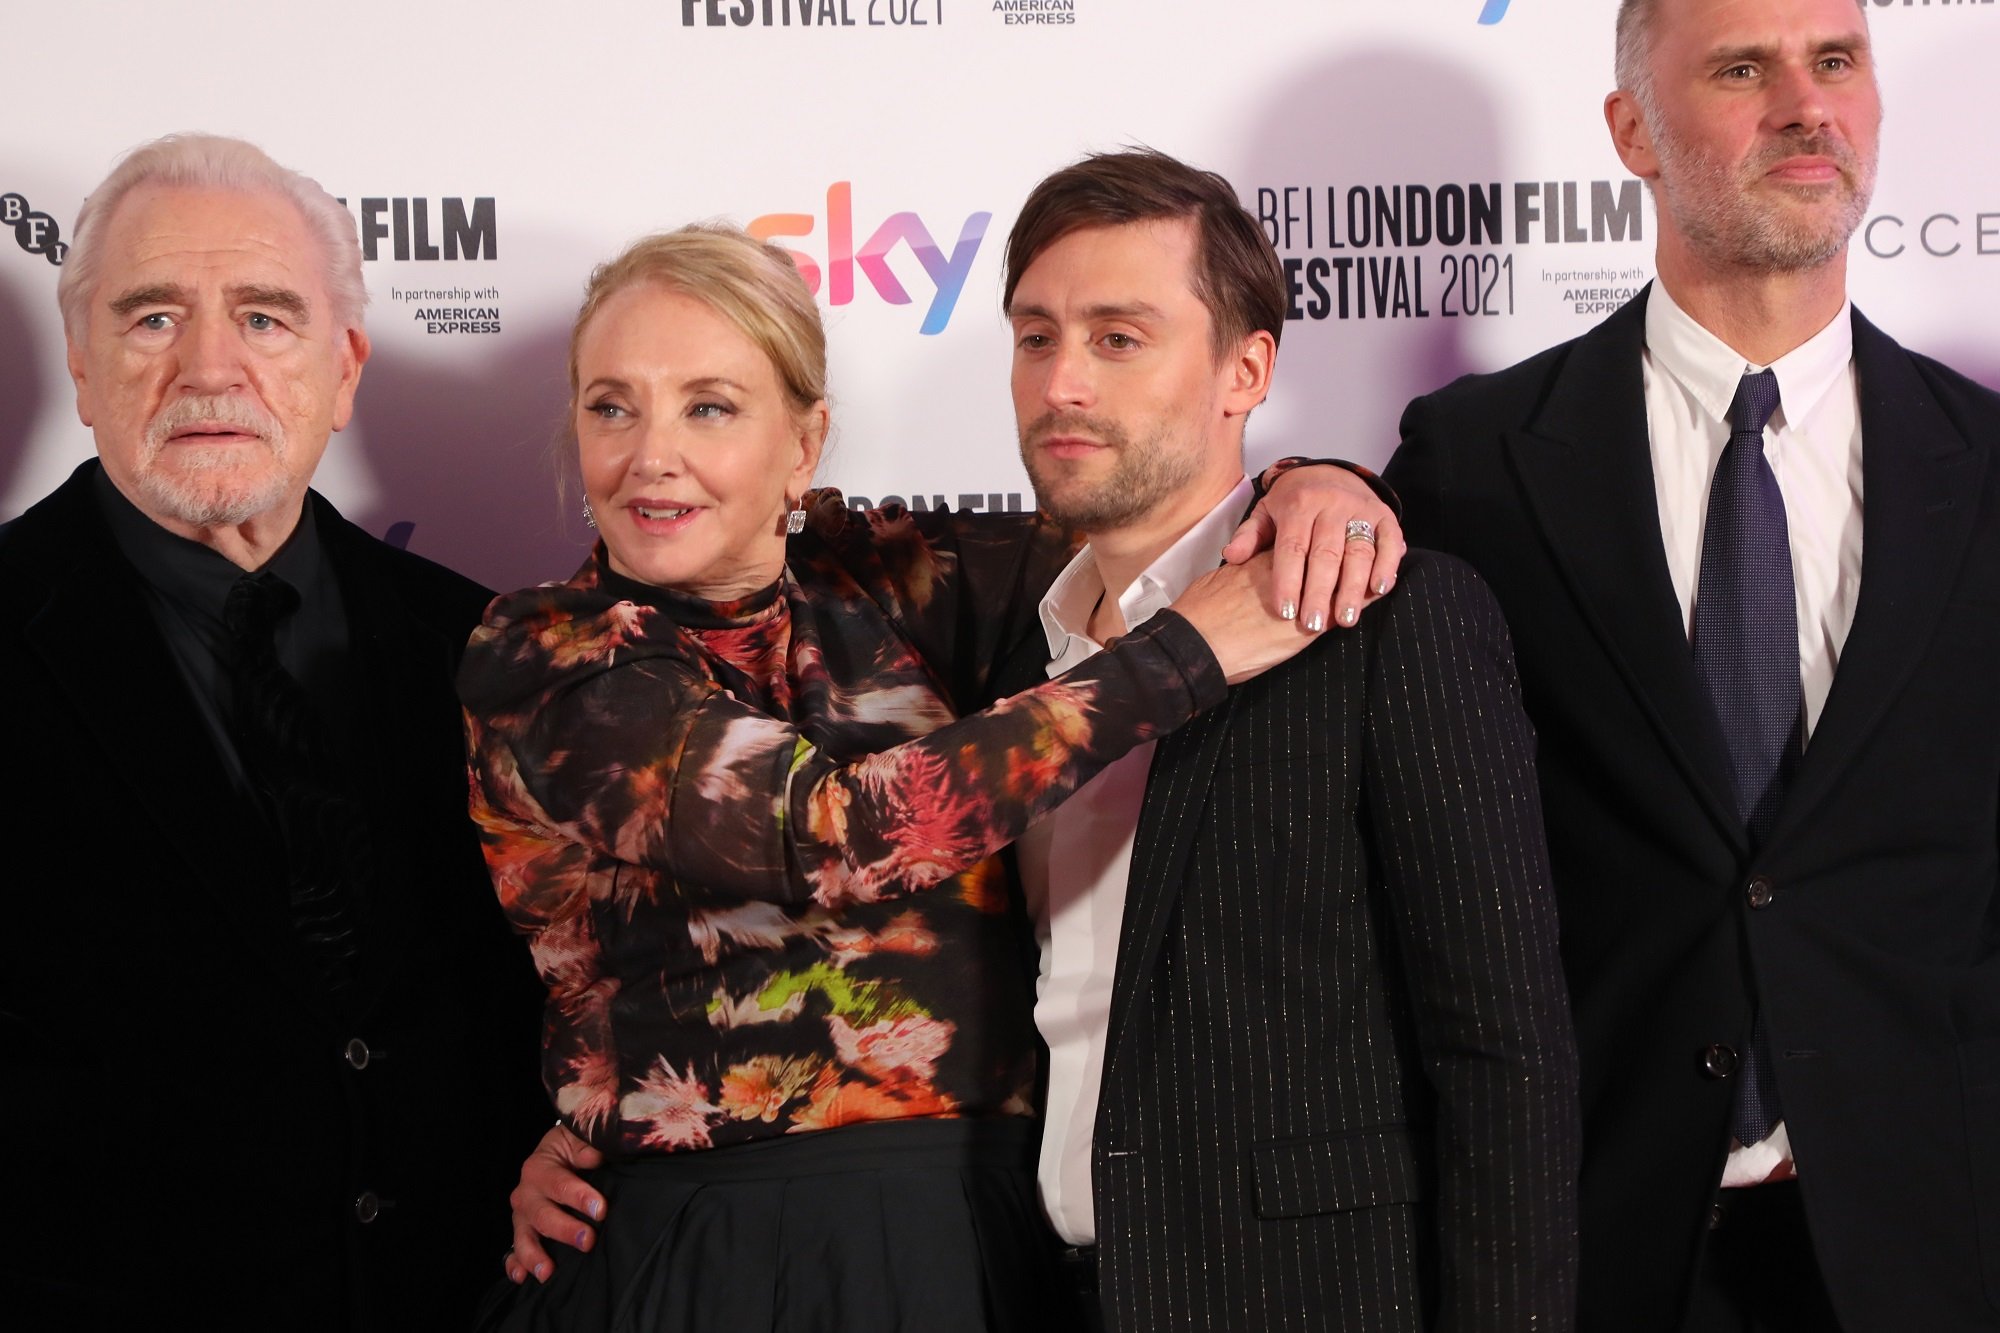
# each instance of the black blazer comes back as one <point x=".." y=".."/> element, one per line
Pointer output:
<point x="1339" y="1092"/>
<point x="184" y="1130"/>
<point x="1877" y="958"/>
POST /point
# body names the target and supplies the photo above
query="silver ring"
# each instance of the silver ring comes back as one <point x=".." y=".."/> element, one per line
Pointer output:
<point x="1360" y="530"/>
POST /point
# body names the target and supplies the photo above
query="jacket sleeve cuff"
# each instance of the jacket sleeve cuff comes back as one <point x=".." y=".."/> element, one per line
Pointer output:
<point x="1383" y="490"/>
<point x="1178" y="643"/>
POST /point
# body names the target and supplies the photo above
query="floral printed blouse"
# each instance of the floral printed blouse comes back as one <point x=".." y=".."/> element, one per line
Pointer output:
<point x="752" y="844"/>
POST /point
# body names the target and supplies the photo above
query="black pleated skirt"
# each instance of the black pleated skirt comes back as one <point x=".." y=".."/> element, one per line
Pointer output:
<point x="912" y="1226"/>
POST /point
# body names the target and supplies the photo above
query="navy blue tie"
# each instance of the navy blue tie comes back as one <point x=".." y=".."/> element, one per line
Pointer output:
<point x="1746" y="651"/>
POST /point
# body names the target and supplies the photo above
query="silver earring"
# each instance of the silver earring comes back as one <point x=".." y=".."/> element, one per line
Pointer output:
<point x="589" y="515"/>
<point x="795" y="522"/>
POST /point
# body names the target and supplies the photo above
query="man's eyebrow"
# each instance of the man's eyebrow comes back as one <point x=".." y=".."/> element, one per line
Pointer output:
<point x="282" y="299"/>
<point x="1760" y="55"/>
<point x="159" y="293"/>
<point x="1124" y="310"/>
<point x="1105" y="310"/>
<point x="1739" y="55"/>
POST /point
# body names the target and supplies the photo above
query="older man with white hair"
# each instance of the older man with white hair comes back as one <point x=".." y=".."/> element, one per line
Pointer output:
<point x="269" y="1050"/>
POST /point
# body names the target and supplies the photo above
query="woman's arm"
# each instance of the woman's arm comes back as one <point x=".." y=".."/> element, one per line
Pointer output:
<point x="630" y="751"/>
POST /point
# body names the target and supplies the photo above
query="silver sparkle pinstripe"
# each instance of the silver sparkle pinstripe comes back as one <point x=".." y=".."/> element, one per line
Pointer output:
<point x="1340" y="1092"/>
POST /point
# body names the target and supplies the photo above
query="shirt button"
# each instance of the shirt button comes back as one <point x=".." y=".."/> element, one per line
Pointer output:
<point x="1760" y="891"/>
<point x="1718" y="1061"/>
<point x="367" y="1207"/>
<point x="1717" y="1214"/>
<point x="357" y="1053"/>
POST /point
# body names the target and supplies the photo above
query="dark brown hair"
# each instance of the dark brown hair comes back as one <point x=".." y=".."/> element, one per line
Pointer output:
<point x="1236" y="271"/>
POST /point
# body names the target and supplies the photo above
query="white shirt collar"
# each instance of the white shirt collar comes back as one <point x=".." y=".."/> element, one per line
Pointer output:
<point x="1709" y="368"/>
<point x="1074" y="595"/>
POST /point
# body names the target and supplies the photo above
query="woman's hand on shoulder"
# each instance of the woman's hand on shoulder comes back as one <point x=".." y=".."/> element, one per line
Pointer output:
<point x="1322" y="570"/>
<point x="1233" y="610"/>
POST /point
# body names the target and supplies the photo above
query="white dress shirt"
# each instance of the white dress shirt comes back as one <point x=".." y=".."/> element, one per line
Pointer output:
<point x="1813" y="443"/>
<point x="1075" y="863"/>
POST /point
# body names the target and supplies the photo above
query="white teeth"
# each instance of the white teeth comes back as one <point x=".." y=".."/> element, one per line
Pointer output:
<point x="660" y="513"/>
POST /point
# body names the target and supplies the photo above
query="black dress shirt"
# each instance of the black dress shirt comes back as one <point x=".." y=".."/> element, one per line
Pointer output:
<point x="186" y="586"/>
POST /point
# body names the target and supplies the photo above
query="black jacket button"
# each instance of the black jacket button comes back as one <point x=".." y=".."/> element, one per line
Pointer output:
<point x="1760" y="891"/>
<point x="367" y="1207"/>
<point x="1718" y="1061"/>
<point x="357" y="1053"/>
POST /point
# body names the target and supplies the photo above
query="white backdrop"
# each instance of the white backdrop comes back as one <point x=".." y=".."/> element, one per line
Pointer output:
<point x="863" y="132"/>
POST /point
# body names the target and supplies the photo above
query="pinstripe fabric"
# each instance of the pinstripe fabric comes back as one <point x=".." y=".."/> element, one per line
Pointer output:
<point x="1340" y="1092"/>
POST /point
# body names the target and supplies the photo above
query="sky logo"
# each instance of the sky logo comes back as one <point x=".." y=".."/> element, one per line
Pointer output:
<point x="1495" y="11"/>
<point x="946" y="272"/>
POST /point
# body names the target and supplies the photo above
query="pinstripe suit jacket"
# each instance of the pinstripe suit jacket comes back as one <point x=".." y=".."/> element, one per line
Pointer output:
<point x="1339" y="1090"/>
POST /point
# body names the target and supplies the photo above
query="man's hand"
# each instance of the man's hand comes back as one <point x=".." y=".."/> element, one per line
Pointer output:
<point x="547" y="1200"/>
<point x="1318" y="573"/>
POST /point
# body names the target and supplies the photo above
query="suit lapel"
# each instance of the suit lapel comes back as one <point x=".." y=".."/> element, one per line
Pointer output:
<point x="1587" y="472"/>
<point x="1921" y="483"/>
<point x="1177" y="790"/>
<point x="116" y="675"/>
<point x="404" y="729"/>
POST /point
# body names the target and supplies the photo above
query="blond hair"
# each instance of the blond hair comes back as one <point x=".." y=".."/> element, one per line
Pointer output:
<point x="752" y="284"/>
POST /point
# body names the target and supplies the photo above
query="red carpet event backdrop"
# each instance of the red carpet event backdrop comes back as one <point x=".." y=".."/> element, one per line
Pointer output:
<point x="1436" y="174"/>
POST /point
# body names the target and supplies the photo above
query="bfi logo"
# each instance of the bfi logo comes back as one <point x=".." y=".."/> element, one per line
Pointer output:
<point x="1495" y="11"/>
<point x="37" y="233"/>
<point x="946" y="272"/>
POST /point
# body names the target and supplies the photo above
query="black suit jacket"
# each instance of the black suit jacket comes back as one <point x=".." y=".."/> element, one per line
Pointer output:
<point x="184" y="1131"/>
<point x="1339" y="1091"/>
<point x="1876" y="959"/>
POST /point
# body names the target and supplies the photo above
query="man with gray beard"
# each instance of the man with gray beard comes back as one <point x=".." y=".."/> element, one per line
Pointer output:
<point x="269" y="1051"/>
<point x="1769" y="771"/>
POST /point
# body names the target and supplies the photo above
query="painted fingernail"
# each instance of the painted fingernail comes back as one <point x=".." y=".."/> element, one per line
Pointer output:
<point x="1348" y="615"/>
<point x="1382" y="588"/>
<point x="541" y="1272"/>
<point x="595" y="1208"/>
<point x="1314" y="624"/>
<point x="1289" y="610"/>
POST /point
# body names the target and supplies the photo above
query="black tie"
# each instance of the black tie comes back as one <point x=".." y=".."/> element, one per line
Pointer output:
<point x="284" y="751"/>
<point x="1746" y="651"/>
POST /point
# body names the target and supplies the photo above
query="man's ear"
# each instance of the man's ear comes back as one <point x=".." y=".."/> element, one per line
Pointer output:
<point x="1630" y="135"/>
<point x="1249" y="372"/>
<point x="81" y="378"/>
<point x="353" y="356"/>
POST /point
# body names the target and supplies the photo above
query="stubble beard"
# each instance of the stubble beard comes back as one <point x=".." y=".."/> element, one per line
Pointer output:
<point x="206" y="487"/>
<point x="1143" y="477"/>
<point x="1713" y="204"/>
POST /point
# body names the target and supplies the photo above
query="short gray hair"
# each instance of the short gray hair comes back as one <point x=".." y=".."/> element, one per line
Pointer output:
<point x="213" y="162"/>
<point x="1633" y="65"/>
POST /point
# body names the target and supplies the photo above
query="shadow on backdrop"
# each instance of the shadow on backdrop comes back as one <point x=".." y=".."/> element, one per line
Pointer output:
<point x="460" y="449"/>
<point x="1977" y="362"/>
<point x="21" y="389"/>
<point x="1392" y="116"/>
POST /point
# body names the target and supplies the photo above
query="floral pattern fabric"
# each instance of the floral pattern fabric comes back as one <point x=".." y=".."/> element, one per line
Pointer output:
<point x="752" y="845"/>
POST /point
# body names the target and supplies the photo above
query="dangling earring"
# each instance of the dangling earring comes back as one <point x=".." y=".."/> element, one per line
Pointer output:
<point x="589" y="515"/>
<point x="795" y="521"/>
